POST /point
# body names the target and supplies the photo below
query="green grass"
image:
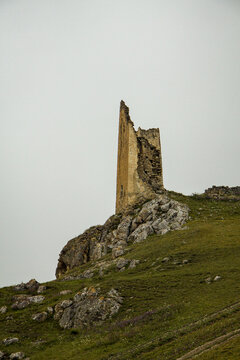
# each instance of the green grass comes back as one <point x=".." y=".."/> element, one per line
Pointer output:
<point x="177" y="295"/>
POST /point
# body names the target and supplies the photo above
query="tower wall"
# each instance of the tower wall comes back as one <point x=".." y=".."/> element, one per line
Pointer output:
<point x="139" y="167"/>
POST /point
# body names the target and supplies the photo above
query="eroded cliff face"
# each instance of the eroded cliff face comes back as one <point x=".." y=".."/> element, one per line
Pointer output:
<point x="139" y="170"/>
<point x="157" y="216"/>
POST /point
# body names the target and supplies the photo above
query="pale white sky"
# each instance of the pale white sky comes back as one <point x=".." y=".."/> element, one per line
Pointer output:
<point x="64" y="67"/>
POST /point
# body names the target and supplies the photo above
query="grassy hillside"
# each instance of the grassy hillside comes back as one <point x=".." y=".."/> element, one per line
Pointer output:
<point x="168" y="310"/>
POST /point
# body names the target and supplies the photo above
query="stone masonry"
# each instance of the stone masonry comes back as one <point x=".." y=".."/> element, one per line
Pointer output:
<point x="223" y="193"/>
<point x="139" y="168"/>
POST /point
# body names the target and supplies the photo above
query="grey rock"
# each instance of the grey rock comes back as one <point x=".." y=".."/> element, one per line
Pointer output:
<point x="20" y="287"/>
<point x="208" y="280"/>
<point x="17" y="356"/>
<point x="87" y="274"/>
<point x="36" y="299"/>
<point x="185" y="261"/>
<point x="166" y="259"/>
<point x="160" y="226"/>
<point x="10" y="341"/>
<point x="50" y="310"/>
<point x="88" y="308"/>
<point x="65" y="292"/>
<point x="41" y="289"/>
<point x="141" y="233"/>
<point x="40" y="317"/>
<point x="32" y="285"/>
<point x="22" y="301"/>
<point x="2" y="355"/>
<point x="3" y="310"/>
<point x="117" y="251"/>
<point x="133" y="263"/>
<point x="217" y="278"/>
<point x="121" y="263"/>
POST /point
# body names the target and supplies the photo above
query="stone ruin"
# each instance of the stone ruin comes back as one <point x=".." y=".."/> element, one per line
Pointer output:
<point x="142" y="206"/>
<point x="223" y="193"/>
<point x="139" y="165"/>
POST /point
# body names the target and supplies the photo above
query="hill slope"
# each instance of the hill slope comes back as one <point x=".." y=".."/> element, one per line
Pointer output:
<point x="171" y="302"/>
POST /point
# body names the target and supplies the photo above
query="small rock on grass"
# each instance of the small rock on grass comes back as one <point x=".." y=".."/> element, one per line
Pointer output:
<point x="41" y="289"/>
<point x="1" y="355"/>
<point x="208" y="280"/>
<point x="217" y="278"/>
<point x="17" y="356"/>
<point x="10" y="341"/>
<point x="122" y="263"/>
<point x="50" y="310"/>
<point x="40" y="317"/>
<point x="65" y="292"/>
<point x="3" y="309"/>
<point x="133" y="263"/>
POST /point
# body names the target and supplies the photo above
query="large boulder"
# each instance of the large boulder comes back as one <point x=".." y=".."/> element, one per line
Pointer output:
<point x="87" y="308"/>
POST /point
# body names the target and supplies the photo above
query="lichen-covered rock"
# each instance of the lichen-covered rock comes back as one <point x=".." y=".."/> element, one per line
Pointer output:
<point x="87" y="308"/>
<point x="157" y="216"/>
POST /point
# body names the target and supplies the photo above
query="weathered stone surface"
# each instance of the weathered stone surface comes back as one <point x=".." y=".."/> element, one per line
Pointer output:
<point x="122" y="263"/>
<point x="3" y="309"/>
<point x="2" y="355"/>
<point x="86" y="247"/>
<point x="41" y="289"/>
<point x="223" y="193"/>
<point x="87" y="308"/>
<point x="157" y="216"/>
<point x="17" y="356"/>
<point x="32" y="286"/>
<point x="40" y="317"/>
<point x="139" y="168"/>
<point x="22" y="301"/>
<point x="10" y="341"/>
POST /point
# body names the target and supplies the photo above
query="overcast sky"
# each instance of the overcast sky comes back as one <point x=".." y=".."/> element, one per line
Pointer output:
<point x="64" y="67"/>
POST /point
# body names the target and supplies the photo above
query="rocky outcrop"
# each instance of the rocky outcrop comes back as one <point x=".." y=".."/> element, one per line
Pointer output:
<point x="32" y="286"/>
<point x="223" y="193"/>
<point x="157" y="216"/>
<point x="87" y="308"/>
<point x="22" y="301"/>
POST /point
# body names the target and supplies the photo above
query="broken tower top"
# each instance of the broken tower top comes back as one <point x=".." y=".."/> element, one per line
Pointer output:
<point x="139" y="167"/>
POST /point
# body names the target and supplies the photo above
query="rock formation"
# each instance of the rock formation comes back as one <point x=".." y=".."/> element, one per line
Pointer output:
<point x="157" y="216"/>
<point x="87" y="308"/>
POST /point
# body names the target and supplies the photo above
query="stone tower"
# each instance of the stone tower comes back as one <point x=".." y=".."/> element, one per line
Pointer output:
<point x="139" y="166"/>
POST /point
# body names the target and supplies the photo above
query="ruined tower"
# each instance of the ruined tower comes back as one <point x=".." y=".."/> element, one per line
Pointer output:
<point x="139" y="165"/>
